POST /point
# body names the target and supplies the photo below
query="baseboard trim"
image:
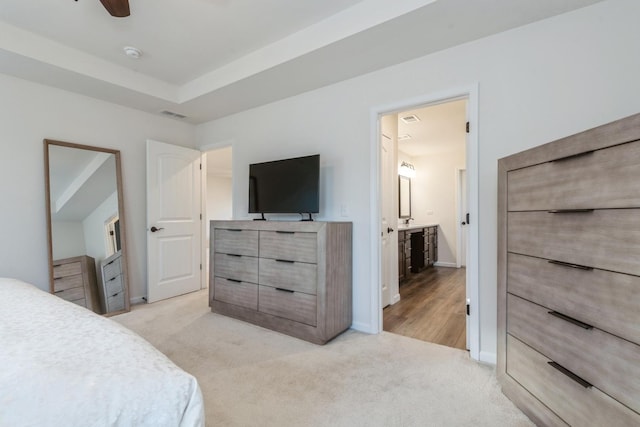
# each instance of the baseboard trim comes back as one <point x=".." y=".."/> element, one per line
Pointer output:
<point x="488" y="357"/>
<point x="138" y="300"/>
<point x="362" y="327"/>
<point x="445" y="264"/>
<point x="395" y="298"/>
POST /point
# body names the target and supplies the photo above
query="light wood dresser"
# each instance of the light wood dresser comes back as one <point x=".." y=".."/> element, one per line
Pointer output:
<point x="112" y="283"/>
<point x="569" y="278"/>
<point x="292" y="277"/>
<point x="74" y="279"/>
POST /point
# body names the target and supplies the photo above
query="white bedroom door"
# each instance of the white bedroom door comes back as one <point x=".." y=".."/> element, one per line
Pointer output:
<point x="174" y="206"/>
<point x="386" y="220"/>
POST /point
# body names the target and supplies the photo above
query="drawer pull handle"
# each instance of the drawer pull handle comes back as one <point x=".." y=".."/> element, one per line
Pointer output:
<point x="235" y="255"/>
<point x="109" y="263"/>
<point x="568" y="264"/>
<point x="562" y="211"/>
<point x="571" y="375"/>
<point x="572" y="156"/>
<point x="285" y="260"/>
<point x="57" y="292"/>
<point x="285" y="232"/>
<point x="112" y="279"/>
<point x="284" y="290"/>
<point x="235" y="229"/>
<point x="570" y="320"/>
<point x="235" y="280"/>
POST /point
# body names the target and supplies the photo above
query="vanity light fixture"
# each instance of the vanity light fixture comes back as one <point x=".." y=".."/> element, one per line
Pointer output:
<point x="407" y="169"/>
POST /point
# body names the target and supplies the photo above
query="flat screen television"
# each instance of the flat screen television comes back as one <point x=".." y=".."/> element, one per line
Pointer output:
<point x="285" y="186"/>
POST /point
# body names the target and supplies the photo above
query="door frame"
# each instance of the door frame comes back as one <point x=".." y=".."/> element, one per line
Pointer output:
<point x="460" y="216"/>
<point x="470" y="92"/>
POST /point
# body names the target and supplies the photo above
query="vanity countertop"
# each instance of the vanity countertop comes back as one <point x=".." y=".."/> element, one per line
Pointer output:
<point x="403" y="227"/>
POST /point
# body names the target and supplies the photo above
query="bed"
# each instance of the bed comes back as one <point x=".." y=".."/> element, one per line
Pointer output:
<point x="63" y="365"/>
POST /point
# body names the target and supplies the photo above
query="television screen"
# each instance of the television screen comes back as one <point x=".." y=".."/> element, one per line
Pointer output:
<point x="285" y="186"/>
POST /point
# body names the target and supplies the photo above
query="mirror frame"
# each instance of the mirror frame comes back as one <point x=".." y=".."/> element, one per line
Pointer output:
<point x="402" y="195"/>
<point x="121" y="216"/>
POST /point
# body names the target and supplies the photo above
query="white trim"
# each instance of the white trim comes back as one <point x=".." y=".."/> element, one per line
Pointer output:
<point x="363" y="327"/>
<point x="138" y="300"/>
<point x="445" y="264"/>
<point x="459" y="217"/>
<point x="395" y="298"/>
<point x="487" y="357"/>
<point x="469" y="92"/>
<point x="204" y="277"/>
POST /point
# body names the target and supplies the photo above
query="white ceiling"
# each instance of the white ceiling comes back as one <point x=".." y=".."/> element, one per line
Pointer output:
<point x="209" y="58"/>
<point x="440" y="128"/>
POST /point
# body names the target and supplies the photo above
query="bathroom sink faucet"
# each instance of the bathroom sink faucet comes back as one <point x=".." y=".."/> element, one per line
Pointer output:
<point x="406" y="221"/>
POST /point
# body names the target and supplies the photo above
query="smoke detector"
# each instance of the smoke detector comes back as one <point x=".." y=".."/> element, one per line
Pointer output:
<point x="132" y="52"/>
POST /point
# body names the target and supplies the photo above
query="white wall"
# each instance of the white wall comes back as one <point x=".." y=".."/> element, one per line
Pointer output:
<point x="30" y="113"/>
<point x="536" y="84"/>
<point x="68" y="238"/>
<point x="433" y="196"/>
<point x="219" y="201"/>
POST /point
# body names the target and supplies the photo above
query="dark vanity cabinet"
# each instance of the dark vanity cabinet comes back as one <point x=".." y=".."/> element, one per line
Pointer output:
<point x="417" y="249"/>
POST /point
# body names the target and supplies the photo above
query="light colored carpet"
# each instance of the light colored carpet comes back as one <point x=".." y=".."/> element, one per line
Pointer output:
<point x="252" y="376"/>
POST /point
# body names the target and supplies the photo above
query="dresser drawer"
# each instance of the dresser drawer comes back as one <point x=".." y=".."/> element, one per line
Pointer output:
<point x="607" y="239"/>
<point x="67" y="282"/>
<point x="237" y="293"/>
<point x="71" y="294"/>
<point x="290" y="246"/>
<point x="295" y="276"/>
<point x="112" y="269"/>
<point x="608" y="362"/>
<point x="115" y="302"/>
<point x="575" y="404"/>
<point x="581" y="294"/>
<point x="113" y="285"/>
<point x="295" y="306"/>
<point x="605" y="178"/>
<point x="244" y="268"/>
<point x="70" y="269"/>
<point x="236" y="241"/>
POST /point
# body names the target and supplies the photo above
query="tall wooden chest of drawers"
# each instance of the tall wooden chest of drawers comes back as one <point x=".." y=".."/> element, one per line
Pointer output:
<point x="292" y="277"/>
<point x="113" y="293"/>
<point x="74" y="279"/>
<point x="569" y="278"/>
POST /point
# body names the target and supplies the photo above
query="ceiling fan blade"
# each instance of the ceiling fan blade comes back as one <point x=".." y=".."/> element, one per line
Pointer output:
<point x="117" y="8"/>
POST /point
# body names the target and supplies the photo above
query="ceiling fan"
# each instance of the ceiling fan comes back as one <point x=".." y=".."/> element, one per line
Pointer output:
<point x="117" y="8"/>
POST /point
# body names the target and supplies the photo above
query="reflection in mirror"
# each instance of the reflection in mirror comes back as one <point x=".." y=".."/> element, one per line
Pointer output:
<point x="85" y="224"/>
<point x="404" y="193"/>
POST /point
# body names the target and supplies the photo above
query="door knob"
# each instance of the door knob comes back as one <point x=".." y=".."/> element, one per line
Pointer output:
<point x="154" y="229"/>
<point x="463" y="223"/>
<point x="389" y="230"/>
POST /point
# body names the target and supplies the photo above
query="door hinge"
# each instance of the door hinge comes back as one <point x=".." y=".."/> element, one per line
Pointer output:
<point x="200" y="217"/>
<point x="467" y="219"/>
<point x="467" y="127"/>
<point x="468" y="310"/>
<point x="201" y="269"/>
<point x="467" y="131"/>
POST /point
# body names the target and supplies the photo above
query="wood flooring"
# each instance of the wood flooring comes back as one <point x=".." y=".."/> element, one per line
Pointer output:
<point x="432" y="307"/>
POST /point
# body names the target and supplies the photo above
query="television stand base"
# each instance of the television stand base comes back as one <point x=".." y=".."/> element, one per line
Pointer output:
<point x="307" y="219"/>
<point x="262" y="218"/>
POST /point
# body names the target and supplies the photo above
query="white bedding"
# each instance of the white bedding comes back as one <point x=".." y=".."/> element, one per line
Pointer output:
<point x="62" y="365"/>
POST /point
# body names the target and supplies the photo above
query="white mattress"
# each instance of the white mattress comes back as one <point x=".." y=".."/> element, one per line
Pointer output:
<point x="63" y="365"/>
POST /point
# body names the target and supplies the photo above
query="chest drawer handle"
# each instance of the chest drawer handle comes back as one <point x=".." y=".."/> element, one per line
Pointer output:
<point x="235" y="280"/>
<point x="571" y="375"/>
<point x="57" y="292"/>
<point x="235" y="255"/>
<point x="570" y="320"/>
<point x="285" y="290"/>
<point x="568" y="264"/>
<point x="234" y="229"/>
<point x="563" y="211"/>
<point x="285" y="232"/>
<point x="572" y="156"/>
<point x="285" y="260"/>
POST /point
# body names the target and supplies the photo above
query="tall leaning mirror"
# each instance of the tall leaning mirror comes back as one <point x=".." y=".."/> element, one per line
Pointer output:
<point x="85" y="225"/>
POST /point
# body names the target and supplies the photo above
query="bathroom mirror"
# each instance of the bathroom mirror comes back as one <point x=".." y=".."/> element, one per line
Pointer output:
<point x="85" y="226"/>
<point x="404" y="196"/>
